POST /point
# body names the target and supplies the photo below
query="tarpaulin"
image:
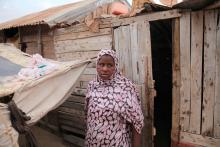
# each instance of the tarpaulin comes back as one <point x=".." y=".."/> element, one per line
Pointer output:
<point x="36" y="96"/>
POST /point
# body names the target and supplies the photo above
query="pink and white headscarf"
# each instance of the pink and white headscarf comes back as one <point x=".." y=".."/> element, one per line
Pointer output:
<point x="113" y="55"/>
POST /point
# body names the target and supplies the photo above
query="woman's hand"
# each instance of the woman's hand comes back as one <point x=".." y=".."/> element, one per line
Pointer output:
<point x="136" y="138"/>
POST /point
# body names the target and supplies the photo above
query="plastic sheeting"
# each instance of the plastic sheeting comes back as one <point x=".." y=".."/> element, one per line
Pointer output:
<point x="36" y="97"/>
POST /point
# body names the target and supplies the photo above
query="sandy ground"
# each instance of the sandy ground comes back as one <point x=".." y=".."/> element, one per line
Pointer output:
<point x="47" y="139"/>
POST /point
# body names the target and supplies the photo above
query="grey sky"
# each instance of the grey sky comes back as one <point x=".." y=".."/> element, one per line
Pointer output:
<point x="11" y="9"/>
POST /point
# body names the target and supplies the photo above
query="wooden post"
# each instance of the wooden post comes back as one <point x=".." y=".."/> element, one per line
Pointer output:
<point x="217" y="91"/>
<point x="176" y="81"/>
<point x="146" y="79"/>
<point x="19" y="37"/>
<point x="209" y="73"/>
<point x="196" y="71"/>
<point x="39" y="40"/>
<point x="185" y="71"/>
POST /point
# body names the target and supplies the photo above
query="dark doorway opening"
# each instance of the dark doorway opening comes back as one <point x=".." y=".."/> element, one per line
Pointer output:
<point x="161" y="41"/>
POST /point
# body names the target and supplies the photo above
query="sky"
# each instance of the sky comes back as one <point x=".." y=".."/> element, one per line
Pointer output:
<point x="11" y="9"/>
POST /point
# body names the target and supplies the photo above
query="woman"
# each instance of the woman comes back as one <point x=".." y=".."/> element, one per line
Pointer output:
<point x="113" y="111"/>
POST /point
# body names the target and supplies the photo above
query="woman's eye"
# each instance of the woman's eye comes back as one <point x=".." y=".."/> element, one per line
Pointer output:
<point x="109" y="65"/>
<point x="101" y="64"/>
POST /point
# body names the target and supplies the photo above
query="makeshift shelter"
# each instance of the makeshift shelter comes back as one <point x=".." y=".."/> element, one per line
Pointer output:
<point x="171" y="53"/>
<point x="26" y="78"/>
<point x="174" y="52"/>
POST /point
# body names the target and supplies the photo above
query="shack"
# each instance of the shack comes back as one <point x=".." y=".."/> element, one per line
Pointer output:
<point x="177" y="50"/>
<point x="172" y="55"/>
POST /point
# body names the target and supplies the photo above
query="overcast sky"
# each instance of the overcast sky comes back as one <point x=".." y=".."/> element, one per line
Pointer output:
<point x="11" y="9"/>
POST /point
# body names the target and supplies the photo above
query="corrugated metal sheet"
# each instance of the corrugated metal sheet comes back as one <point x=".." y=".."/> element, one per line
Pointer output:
<point x="178" y="3"/>
<point x="62" y="14"/>
<point x="182" y="4"/>
<point x="194" y="4"/>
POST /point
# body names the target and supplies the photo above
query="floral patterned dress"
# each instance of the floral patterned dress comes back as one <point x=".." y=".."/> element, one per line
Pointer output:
<point x="112" y="106"/>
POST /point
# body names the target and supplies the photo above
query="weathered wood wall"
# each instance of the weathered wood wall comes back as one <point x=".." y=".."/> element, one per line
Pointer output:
<point x="133" y="47"/>
<point x="30" y="35"/>
<point x="72" y="43"/>
<point x="198" y="94"/>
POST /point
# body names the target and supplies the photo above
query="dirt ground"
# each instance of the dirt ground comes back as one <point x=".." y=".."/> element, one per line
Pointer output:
<point x="47" y="139"/>
<point x="44" y="138"/>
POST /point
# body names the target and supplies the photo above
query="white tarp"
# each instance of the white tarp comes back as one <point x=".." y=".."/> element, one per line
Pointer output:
<point x="36" y="97"/>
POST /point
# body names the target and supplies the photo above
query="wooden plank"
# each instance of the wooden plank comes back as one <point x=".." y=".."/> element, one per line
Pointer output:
<point x="199" y="140"/>
<point x="72" y="129"/>
<point x="71" y="120"/>
<point x="185" y="71"/>
<point x="32" y="44"/>
<point x="82" y="84"/>
<point x="209" y="72"/>
<point x="74" y="140"/>
<point x="72" y="29"/>
<point x="73" y="105"/>
<point x="86" y="77"/>
<point x="32" y="37"/>
<point x="82" y="27"/>
<point x="141" y="55"/>
<point x="217" y="87"/>
<point x="79" y="35"/>
<point x="145" y="62"/>
<point x="68" y="116"/>
<point x="196" y="71"/>
<point x="71" y="111"/>
<point x="47" y="37"/>
<point x="79" y="91"/>
<point x="176" y="80"/>
<point x="134" y="53"/>
<point x="29" y="38"/>
<point x="125" y="51"/>
<point x="86" y="44"/>
<point x="121" y="47"/>
<point x="76" y="99"/>
<point x="150" y="92"/>
<point x="116" y="44"/>
<point x="90" y="71"/>
<point x="214" y="5"/>
<point x="148" y="17"/>
<point x="77" y="55"/>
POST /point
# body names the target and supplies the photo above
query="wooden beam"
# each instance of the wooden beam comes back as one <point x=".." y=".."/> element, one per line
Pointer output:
<point x="185" y="71"/>
<point x="85" y="44"/>
<point x="217" y="91"/>
<point x="195" y="139"/>
<point x="196" y="70"/>
<point x="81" y="35"/>
<point x="214" y="5"/>
<point x="176" y="80"/>
<point x="148" y="17"/>
<point x="209" y="73"/>
<point x="19" y="37"/>
<point x="39" y="40"/>
<point x="77" y="141"/>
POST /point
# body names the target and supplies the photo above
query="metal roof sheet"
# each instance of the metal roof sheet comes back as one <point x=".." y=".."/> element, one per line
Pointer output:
<point x="68" y="13"/>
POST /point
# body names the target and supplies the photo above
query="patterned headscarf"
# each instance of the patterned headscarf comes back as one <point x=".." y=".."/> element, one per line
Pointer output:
<point x="113" y="55"/>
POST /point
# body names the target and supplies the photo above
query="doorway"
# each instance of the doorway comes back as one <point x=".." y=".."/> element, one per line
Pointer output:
<point x="161" y="42"/>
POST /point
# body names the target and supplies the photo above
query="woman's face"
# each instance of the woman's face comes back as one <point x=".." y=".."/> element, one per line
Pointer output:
<point x="106" y="67"/>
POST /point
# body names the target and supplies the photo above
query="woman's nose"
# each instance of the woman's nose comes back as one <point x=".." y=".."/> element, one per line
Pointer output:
<point x="105" y="68"/>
